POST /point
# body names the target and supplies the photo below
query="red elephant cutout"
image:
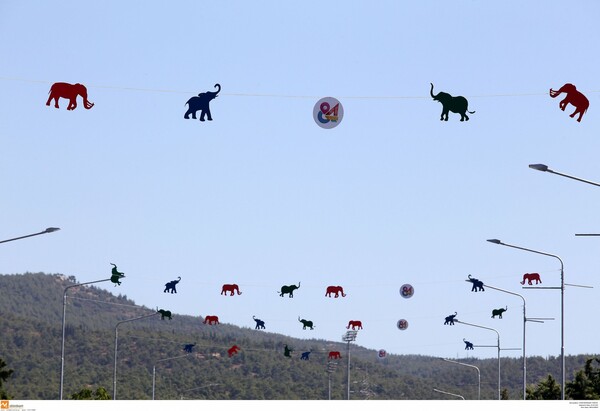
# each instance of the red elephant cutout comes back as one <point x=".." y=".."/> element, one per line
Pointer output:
<point x="233" y="350"/>
<point x="530" y="277"/>
<point x="211" y="320"/>
<point x="230" y="288"/>
<point x="354" y="324"/>
<point x="334" y="355"/>
<point x="69" y="91"/>
<point x="573" y="97"/>
<point x="335" y="289"/>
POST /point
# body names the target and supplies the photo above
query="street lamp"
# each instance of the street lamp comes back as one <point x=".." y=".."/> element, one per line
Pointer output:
<point x="62" y="350"/>
<point x="154" y="371"/>
<point x="116" y="345"/>
<point x="478" y="374"/>
<point x="349" y="337"/>
<point x="47" y="230"/>
<point x="498" y="345"/>
<point x="562" y="307"/>
<point x="543" y="167"/>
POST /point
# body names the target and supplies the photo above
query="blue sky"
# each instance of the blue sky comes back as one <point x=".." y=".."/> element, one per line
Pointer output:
<point x="263" y="197"/>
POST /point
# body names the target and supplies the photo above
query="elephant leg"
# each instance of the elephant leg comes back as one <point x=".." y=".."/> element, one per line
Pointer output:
<point x="208" y="116"/>
<point x="202" y="115"/>
<point x="187" y="114"/>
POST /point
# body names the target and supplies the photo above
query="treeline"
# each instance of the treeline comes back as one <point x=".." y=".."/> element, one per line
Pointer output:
<point x="30" y="345"/>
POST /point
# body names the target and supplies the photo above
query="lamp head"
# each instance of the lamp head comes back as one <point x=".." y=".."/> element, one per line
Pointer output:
<point x="495" y="241"/>
<point x="539" y="167"/>
<point x="51" y="229"/>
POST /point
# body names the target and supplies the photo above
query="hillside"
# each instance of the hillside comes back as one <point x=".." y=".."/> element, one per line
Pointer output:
<point x="30" y="343"/>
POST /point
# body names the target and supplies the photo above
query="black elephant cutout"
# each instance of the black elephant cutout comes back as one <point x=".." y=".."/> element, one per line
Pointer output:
<point x="69" y="91"/>
<point x="188" y="347"/>
<point x="498" y="312"/>
<point x="306" y="324"/>
<point x="260" y="324"/>
<point x="573" y="97"/>
<point x="450" y="319"/>
<point x="289" y="289"/>
<point x="171" y="286"/>
<point x="201" y="103"/>
<point x="530" y="278"/>
<point x="164" y="314"/>
<point x="287" y="351"/>
<point x="468" y="345"/>
<point x="116" y="275"/>
<point x="477" y="284"/>
<point x="457" y="104"/>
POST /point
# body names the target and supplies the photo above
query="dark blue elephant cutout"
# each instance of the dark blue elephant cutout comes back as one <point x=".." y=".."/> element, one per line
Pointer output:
<point x="201" y="103"/>
<point x="188" y="347"/>
<point x="171" y="286"/>
<point x="456" y="104"/>
<point x="260" y="324"/>
<point x="305" y="355"/>
<point x="115" y="275"/>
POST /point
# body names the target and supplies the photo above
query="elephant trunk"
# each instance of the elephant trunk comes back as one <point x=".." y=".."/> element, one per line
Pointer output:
<point x="87" y="104"/>
<point x="431" y="92"/>
<point x="298" y="284"/>
<point x="554" y="93"/>
<point x="218" y="87"/>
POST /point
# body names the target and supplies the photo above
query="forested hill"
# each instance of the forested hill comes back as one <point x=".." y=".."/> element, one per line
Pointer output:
<point x="31" y="335"/>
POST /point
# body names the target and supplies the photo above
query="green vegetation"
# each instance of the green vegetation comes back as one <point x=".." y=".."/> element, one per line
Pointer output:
<point x="31" y="344"/>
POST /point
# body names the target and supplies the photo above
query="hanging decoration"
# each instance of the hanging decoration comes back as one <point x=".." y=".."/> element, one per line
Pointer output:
<point x="233" y="350"/>
<point x="402" y="324"/>
<point x="164" y="314"/>
<point x="115" y="275"/>
<point x="468" y="345"/>
<point x="407" y="291"/>
<point x="530" y="277"/>
<point x="287" y="351"/>
<point x="477" y="284"/>
<point x="334" y="289"/>
<point x="498" y="312"/>
<point x="289" y="289"/>
<point x="381" y="354"/>
<point x="456" y="104"/>
<point x="450" y="319"/>
<point x="231" y="289"/>
<point x="355" y="325"/>
<point x="171" y="286"/>
<point x="334" y="355"/>
<point x="211" y="320"/>
<point x="188" y="347"/>
<point x="70" y="92"/>
<point x="260" y="324"/>
<point x="201" y="103"/>
<point x="306" y="323"/>
<point x="328" y="112"/>
<point x="305" y="355"/>
<point x="574" y="97"/>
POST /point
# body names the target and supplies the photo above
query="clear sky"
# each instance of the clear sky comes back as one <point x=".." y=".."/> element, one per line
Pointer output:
<point x="264" y="197"/>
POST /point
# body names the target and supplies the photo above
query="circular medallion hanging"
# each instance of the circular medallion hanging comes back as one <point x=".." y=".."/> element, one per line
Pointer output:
<point x="328" y="112"/>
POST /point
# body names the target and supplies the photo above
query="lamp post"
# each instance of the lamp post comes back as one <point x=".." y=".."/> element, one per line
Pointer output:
<point x="498" y="345"/>
<point x="47" y="230"/>
<point x="478" y="375"/>
<point x="116" y="345"/>
<point x="562" y="307"/>
<point x="543" y="167"/>
<point x="349" y="337"/>
<point x="154" y="371"/>
<point x="62" y="349"/>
